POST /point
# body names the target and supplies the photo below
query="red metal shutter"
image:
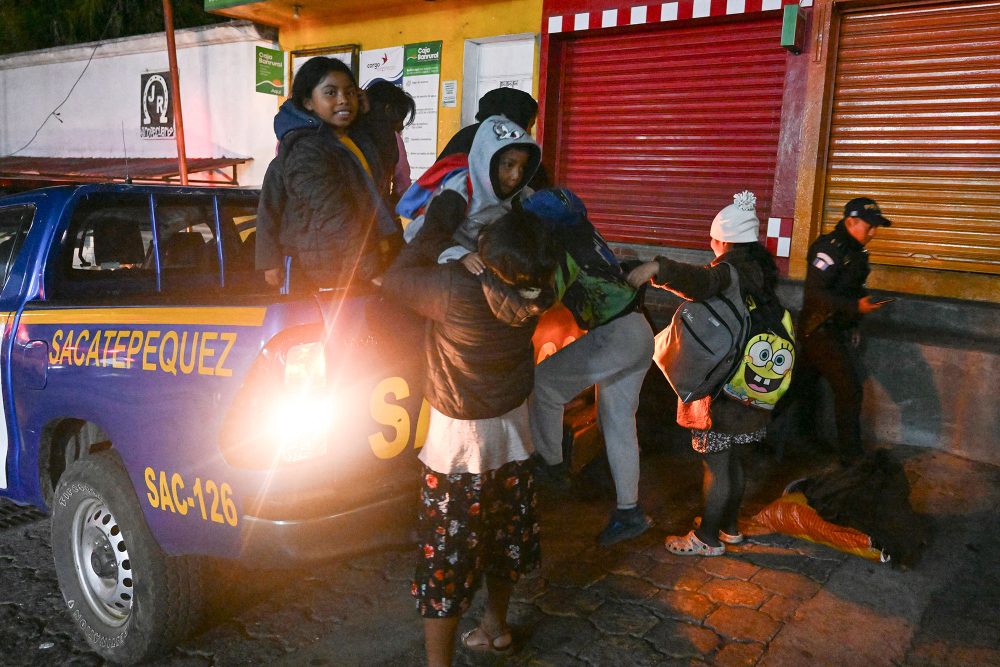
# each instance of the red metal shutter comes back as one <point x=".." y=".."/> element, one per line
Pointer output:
<point x="916" y="125"/>
<point x="658" y="127"/>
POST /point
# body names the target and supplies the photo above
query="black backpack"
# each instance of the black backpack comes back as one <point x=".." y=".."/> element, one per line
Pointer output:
<point x="701" y="347"/>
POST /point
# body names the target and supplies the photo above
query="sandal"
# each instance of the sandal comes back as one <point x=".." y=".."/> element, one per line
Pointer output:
<point x="477" y="639"/>
<point x="724" y="537"/>
<point x="690" y="545"/>
<point x="731" y="538"/>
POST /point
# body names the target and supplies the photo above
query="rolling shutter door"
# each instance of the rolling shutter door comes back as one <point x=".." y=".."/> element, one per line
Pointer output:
<point x="916" y="125"/>
<point x="658" y="128"/>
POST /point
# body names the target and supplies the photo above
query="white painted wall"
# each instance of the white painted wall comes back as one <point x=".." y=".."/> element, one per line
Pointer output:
<point x="223" y="115"/>
<point x="507" y="61"/>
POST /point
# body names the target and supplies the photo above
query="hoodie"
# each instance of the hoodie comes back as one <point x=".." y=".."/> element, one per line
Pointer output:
<point x="485" y="205"/>
<point x="291" y="117"/>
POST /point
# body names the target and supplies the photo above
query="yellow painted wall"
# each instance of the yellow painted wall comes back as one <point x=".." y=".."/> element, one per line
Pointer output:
<point x="451" y="21"/>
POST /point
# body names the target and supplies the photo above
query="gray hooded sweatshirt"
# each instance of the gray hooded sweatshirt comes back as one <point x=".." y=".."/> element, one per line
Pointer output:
<point x="485" y="206"/>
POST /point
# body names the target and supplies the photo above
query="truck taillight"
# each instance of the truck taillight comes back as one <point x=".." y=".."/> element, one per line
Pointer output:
<point x="287" y="409"/>
<point x="300" y="419"/>
<point x="305" y="367"/>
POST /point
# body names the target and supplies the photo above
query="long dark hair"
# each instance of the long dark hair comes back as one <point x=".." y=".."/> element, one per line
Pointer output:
<point x="760" y="256"/>
<point x="517" y="248"/>
<point x="311" y="73"/>
<point x="384" y="95"/>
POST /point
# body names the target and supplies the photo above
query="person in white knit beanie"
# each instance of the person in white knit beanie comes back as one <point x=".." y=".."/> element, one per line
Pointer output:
<point x="719" y="426"/>
<point x="737" y="223"/>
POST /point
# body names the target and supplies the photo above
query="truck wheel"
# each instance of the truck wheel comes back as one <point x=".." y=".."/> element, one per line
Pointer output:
<point x="130" y="600"/>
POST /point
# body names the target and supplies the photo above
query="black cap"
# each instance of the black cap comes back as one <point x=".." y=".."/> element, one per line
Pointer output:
<point x="866" y="209"/>
<point x="516" y="104"/>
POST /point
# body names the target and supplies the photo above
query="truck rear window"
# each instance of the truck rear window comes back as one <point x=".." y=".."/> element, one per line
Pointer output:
<point x="110" y="248"/>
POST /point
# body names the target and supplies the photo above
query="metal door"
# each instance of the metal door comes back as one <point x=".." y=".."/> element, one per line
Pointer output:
<point x="656" y="128"/>
<point x="916" y="125"/>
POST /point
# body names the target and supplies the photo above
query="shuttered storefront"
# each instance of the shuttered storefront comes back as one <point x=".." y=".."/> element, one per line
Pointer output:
<point x="916" y="125"/>
<point x="658" y="127"/>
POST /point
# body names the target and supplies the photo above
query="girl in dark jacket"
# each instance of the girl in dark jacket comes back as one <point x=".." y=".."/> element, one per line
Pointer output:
<point x="319" y="204"/>
<point x="477" y="510"/>
<point x="719" y="424"/>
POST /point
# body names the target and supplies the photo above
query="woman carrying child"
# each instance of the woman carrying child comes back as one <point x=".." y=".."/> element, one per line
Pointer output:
<point x="319" y="204"/>
<point x="477" y="510"/>
<point x="719" y="424"/>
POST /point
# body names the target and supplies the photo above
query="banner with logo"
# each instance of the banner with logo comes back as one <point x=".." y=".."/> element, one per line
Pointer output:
<point x="381" y="64"/>
<point x="422" y="80"/>
<point x="417" y="68"/>
<point x="270" y="71"/>
<point x="156" y="108"/>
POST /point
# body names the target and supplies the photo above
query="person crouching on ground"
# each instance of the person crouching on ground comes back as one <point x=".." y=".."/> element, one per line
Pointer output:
<point x="718" y="425"/>
<point x="477" y="510"/>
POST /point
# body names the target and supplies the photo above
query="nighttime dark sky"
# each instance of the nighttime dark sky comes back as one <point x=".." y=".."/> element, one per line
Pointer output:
<point x="26" y="25"/>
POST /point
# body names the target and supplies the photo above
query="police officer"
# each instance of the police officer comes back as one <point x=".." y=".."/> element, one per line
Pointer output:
<point x="835" y="299"/>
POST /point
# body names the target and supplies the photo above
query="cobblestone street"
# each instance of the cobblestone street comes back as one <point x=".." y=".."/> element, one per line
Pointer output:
<point x="772" y="601"/>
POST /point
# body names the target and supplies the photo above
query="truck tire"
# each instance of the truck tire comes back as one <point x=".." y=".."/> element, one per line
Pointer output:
<point x="131" y="601"/>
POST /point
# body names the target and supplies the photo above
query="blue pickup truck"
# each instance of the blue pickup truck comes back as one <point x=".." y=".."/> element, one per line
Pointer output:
<point x="164" y="404"/>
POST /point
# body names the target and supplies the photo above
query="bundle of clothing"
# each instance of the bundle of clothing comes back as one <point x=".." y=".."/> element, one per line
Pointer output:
<point x="873" y="497"/>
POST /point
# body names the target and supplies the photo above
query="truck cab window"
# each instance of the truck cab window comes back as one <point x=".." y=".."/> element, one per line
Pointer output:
<point x="14" y="224"/>
<point x="188" y="246"/>
<point x="107" y="250"/>
<point x="238" y="219"/>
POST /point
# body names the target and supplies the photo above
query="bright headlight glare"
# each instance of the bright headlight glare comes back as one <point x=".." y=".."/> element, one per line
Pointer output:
<point x="300" y="426"/>
<point x="305" y="366"/>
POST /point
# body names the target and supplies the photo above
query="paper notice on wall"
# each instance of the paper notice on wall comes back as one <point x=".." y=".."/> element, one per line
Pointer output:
<point x="421" y="79"/>
<point x="449" y="93"/>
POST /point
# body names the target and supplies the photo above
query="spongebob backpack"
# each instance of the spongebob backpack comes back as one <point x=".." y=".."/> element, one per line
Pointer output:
<point x="765" y="371"/>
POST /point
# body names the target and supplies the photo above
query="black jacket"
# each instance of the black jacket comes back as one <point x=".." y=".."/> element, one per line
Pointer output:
<point x="697" y="283"/>
<point x="835" y="280"/>
<point x="319" y="206"/>
<point x="480" y="359"/>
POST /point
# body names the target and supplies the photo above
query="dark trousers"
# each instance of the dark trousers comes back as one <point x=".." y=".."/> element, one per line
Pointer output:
<point x="724" y="484"/>
<point x="829" y="353"/>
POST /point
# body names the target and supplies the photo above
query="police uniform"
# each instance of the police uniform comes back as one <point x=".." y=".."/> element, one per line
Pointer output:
<point x="835" y="281"/>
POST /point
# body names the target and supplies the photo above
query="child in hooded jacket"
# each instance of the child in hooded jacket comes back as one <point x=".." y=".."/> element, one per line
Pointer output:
<point x="719" y="424"/>
<point x="502" y="161"/>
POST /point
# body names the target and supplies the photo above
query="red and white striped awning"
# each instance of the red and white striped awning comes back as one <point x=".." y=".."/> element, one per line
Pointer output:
<point x="577" y="15"/>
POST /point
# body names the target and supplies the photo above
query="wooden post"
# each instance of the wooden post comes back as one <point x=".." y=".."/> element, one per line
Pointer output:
<point x="175" y="91"/>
